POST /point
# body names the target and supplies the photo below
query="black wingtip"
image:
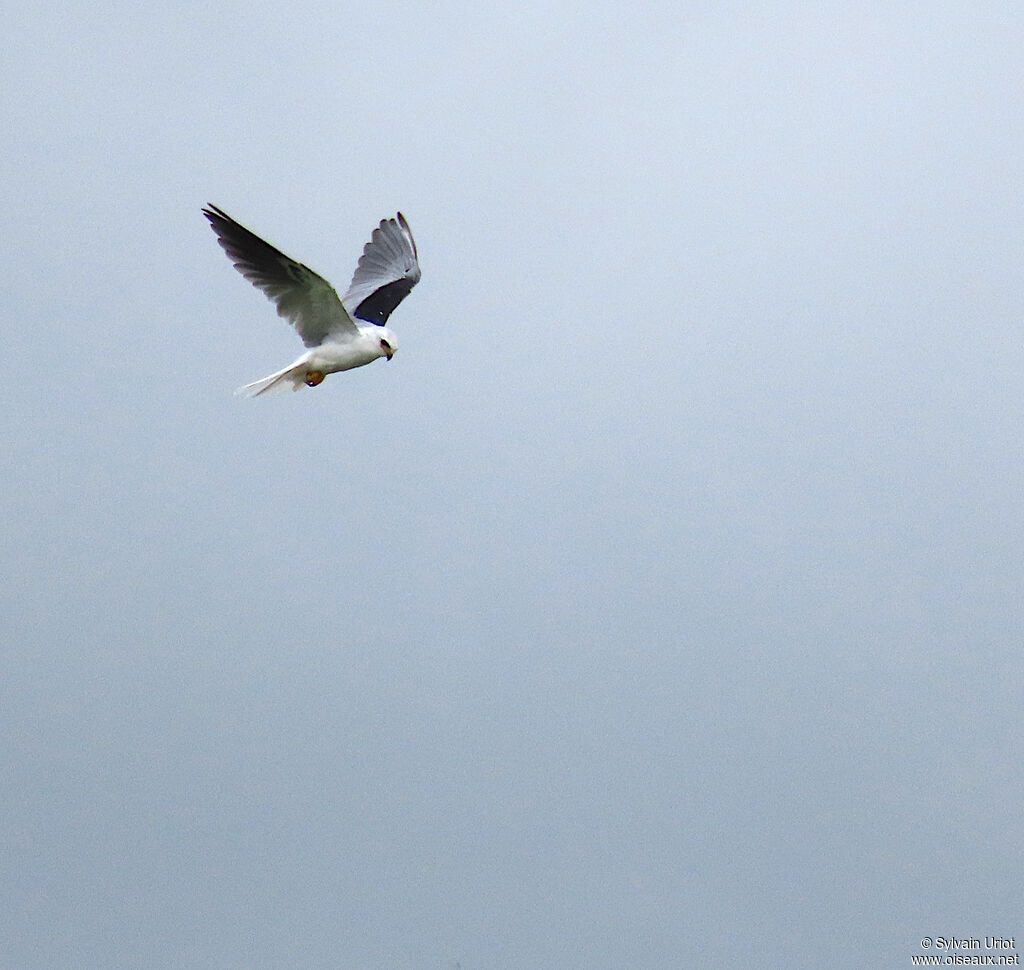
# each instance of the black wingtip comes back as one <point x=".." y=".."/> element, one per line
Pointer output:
<point x="405" y="228"/>
<point x="212" y="212"/>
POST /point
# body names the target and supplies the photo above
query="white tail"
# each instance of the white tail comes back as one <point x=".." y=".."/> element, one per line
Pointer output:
<point x="291" y="377"/>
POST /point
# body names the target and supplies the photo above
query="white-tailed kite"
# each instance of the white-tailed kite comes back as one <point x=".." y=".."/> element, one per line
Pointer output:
<point x="340" y="333"/>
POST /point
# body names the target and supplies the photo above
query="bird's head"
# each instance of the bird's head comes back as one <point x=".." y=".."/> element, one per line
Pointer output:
<point x="388" y="342"/>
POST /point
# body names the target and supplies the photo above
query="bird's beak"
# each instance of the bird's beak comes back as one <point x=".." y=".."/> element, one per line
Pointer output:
<point x="388" y="356"/>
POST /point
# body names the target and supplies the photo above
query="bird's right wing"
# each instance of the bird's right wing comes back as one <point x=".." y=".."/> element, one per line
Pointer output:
<point x="387" y="271"/>
<point x="303" y="297"/>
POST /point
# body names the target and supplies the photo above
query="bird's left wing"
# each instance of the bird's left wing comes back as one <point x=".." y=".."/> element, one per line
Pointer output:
<point x="387" y="271"/>
<point x="303" y="297"/>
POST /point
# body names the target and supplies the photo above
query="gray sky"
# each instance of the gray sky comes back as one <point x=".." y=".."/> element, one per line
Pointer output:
<point x="658" y="605"/>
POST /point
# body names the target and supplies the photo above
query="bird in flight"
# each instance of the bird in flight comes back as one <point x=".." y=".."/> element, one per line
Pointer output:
<point x="340" y="333"/>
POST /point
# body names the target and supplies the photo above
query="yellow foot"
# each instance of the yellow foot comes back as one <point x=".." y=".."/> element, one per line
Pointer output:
<point x="314" y="377"/>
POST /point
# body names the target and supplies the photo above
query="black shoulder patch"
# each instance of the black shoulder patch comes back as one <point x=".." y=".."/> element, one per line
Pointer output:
<point x="378" y="306"/>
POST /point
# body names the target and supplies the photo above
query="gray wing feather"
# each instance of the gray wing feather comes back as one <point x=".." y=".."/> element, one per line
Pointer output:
<point x="387" y="271"/>
<point x="303" y="297"/>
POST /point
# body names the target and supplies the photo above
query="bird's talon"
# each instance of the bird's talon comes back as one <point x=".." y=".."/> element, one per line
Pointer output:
<point x="314" y="377"/>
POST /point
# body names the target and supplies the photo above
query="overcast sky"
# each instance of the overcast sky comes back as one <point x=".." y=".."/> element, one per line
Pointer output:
<point x="658" y="606"/>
